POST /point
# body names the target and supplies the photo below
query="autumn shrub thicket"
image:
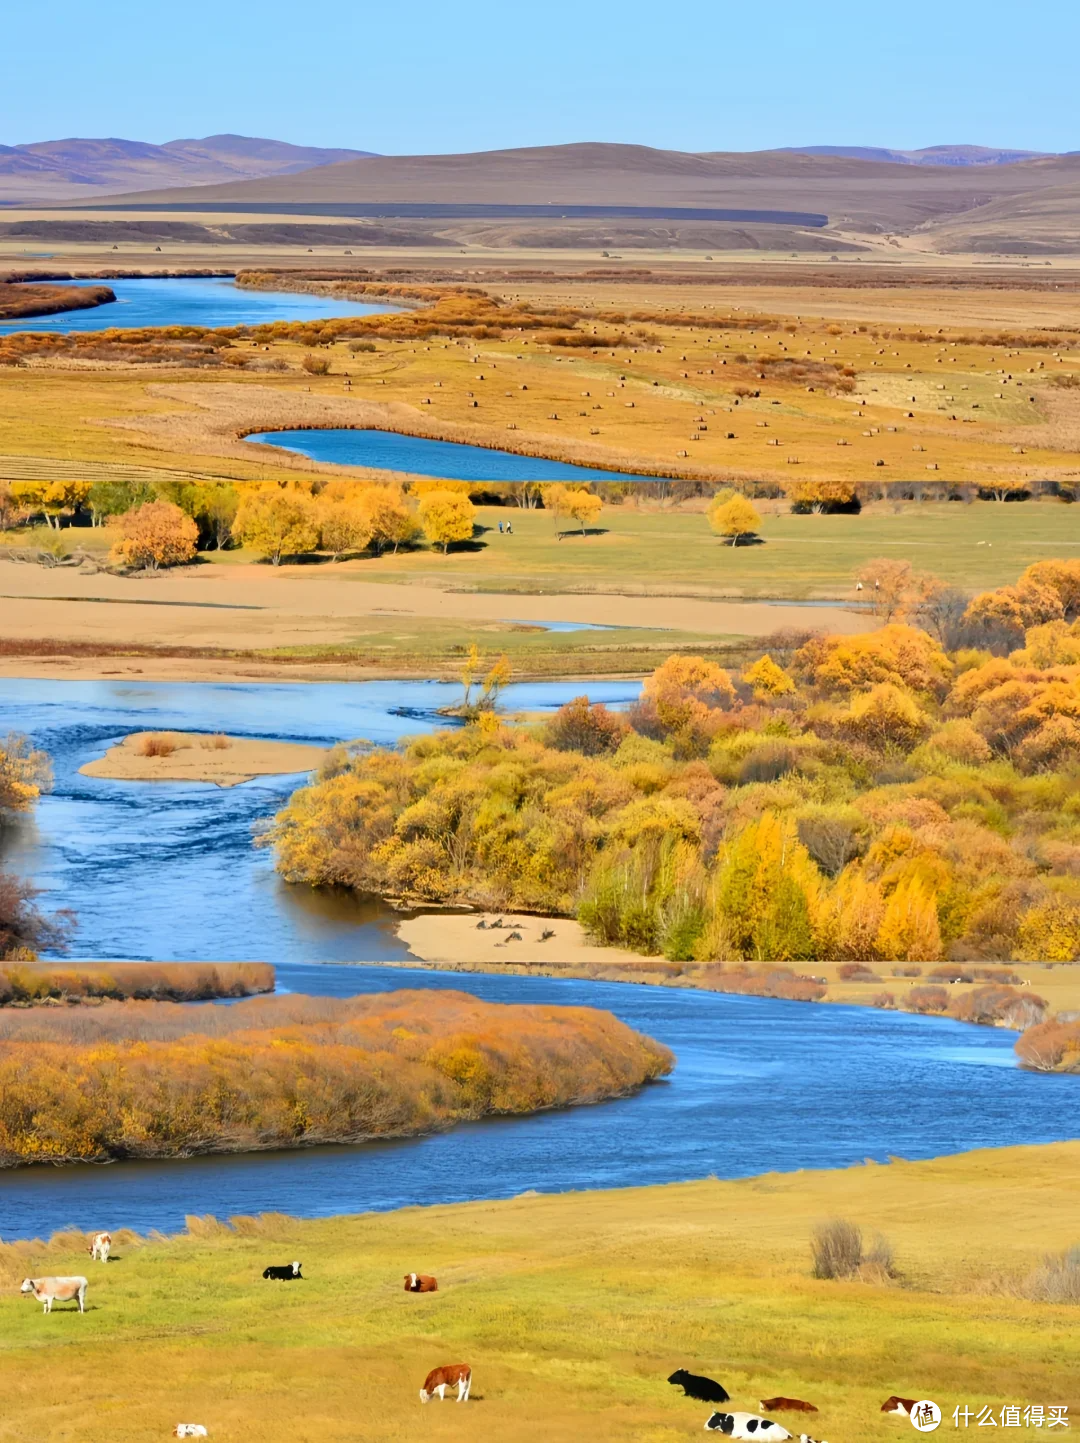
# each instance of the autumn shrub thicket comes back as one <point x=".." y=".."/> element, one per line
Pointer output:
<point x="876" y="799"/>
<point x="139" y="1080"/>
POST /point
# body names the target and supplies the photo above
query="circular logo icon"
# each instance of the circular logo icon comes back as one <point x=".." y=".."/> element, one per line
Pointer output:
<point x="925" y="1416"/>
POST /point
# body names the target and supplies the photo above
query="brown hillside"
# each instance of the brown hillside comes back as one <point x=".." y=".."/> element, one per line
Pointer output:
<point x="854" y="194"/>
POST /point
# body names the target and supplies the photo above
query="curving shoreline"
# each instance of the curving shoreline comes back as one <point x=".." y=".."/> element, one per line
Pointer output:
<point x="455" y="943"/>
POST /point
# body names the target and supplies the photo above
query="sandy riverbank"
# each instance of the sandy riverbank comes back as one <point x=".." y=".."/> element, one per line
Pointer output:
<point x="456" y="942"/>
<point x="194" y="757"/>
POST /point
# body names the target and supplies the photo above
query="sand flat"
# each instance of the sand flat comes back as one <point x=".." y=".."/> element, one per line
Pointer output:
<point x="454" y="940"/>
<point x="249" y="607"/>
<point x="194" y="759"/>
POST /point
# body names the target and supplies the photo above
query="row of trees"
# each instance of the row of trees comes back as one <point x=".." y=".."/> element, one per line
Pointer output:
<point x="164" y="524"/>
<point x="152" y="1079"/>
<point x="866" y="798"/>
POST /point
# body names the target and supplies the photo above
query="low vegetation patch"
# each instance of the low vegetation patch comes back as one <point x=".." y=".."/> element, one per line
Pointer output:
<point x="28" y="984"/>
<point x="150" y="1079"/>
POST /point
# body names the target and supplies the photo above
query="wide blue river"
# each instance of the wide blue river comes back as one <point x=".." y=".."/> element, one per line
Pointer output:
<point x="421" y="456"/>
<point x="166" y="870"/>
<point x="191" y="301"/>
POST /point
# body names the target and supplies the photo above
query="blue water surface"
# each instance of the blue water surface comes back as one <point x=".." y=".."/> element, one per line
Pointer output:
<point x="191" y="301"/>
<point x="420" y="456"/>
<point x="166" y="870"/>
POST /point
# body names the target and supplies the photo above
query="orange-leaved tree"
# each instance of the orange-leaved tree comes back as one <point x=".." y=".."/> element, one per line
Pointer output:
<point x="154" y="534"/>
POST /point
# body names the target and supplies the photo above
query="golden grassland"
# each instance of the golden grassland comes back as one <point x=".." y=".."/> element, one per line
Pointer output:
<point x="972" y="412"/>
<point x="571" y="1309"/>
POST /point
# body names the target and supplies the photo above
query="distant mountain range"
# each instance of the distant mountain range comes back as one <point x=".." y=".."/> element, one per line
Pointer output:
<point x="591" y="195"/>
<point x="51" y="170"/>
<point x="931" y="155"/>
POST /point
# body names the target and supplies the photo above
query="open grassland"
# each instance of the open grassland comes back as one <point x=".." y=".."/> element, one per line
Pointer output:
<point x="781" y="385"/>
<point x="645" y="551"/>
<point x="572" y="1311"/>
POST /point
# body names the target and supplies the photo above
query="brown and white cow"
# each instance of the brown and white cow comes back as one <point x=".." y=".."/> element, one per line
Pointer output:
<point x="57" y="1290"/>
<point x="439" y="1379"/>
<point x="420" y="1283"/>
<point x="902" y="1406"/>
<point x="100" y="1247"/>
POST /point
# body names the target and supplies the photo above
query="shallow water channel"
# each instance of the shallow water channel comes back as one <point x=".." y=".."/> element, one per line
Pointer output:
<point x="190" y="301"/>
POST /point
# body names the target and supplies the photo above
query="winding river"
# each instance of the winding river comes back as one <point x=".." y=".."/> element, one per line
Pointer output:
<point x="190" y="301"/>
<point x="166" y="870"/>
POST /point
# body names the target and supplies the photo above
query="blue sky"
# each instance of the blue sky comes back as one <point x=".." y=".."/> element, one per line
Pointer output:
<point x="476" y="74"/>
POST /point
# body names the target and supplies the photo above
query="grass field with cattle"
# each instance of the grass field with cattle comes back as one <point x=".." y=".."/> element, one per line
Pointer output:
<point x="572" y="1310"/>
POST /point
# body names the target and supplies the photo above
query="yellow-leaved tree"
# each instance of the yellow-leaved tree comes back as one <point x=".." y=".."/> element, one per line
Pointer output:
<point x="53" y="499"/>
<point x="733" y="517"/>
<point x="152" y="535"/>
<point x="580" y="505"/>
<point x="447" y="517"/>
<point x="909" y="930"/>
<point x="767" y="679"/>
<point x="24" y="774"/>
<point x="344" y="525"/>
<point x="277" y="523"/>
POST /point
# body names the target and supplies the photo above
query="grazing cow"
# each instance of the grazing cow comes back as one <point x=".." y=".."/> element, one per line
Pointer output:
<point x="746" y="1425"/>
<point x="703" y="1389"/>
<point x="189" y="1430"/>
<point x="439" y="1379"/>
<point x="283" y="1274"/>
<point x="420" y="1283"/>
<point x="100" y="1247"/>
<point x="57" y="1290"/>
<point x="902" y="1406"/>
<point x="786" y="1405"/>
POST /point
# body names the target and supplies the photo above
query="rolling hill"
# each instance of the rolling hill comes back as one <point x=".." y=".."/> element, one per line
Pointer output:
<point x="53" y="170"/>
<point x="789" y="187"/>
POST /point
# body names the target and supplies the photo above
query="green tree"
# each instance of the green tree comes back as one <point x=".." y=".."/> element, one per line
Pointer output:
<point x="113" y="498"/>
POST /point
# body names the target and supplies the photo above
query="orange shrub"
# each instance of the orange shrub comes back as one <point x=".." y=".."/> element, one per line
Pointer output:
<point x="141" y="1080"/>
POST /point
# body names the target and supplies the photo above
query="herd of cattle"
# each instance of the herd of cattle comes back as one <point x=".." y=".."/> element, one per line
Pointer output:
<point x="735" y="1425"/>
<point x="755" y="1426"/>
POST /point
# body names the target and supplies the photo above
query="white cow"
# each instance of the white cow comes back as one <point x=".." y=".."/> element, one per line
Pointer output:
<point x="57" y="1290"/>
<point x="751" y="1426"/>
<point x="100" y="1247"/>
<point x="189" y="1430"/>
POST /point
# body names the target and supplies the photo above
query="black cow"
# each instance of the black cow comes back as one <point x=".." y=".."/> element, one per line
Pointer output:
<point x="283" y="1274"/>
<point x="703" y="1389"/>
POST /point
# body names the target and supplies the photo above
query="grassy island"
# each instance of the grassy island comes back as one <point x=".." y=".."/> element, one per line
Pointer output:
<point x="139" y="1080"/>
